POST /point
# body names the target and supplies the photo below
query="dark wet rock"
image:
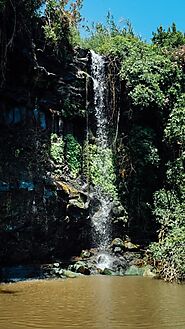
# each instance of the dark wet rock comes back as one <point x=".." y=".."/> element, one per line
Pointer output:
<point x="86" y="254"/>
<point x="117" y="209"/>
<point x="106" y="271"/>
<point x="119" y="263"/>
<point x="94" y="203"/>
<point x="96" y="262"/>
<point x="117" y="243"/>
<point x="105" y="263"/>
<point x="20" y="273"/>
<point x="37" y="194"/>
<point x="56" y="265"/>
<point x="44" y="211"/>
<point x="117" y="250"/>
<point x="80" y="267"/>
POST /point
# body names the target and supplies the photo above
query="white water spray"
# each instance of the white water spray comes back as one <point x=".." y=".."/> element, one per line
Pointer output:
<point x="101" y="219"/>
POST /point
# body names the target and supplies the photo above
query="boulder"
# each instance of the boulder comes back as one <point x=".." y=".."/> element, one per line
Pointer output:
<point x="134" y="271"/>
<point x="85" y="254"/>
<point x="117" y="209"/>
<point x="76" y="203"/>
<point x="117" y="242"/>
<point x="130" y="246"/>
<point x="106" y="271"/>
<point x="80" y="267"/>
<point x="117" y="250"/>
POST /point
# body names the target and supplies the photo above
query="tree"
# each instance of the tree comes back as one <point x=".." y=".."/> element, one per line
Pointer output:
<point x="60" y="17"/>
<point x="172" y="38"/>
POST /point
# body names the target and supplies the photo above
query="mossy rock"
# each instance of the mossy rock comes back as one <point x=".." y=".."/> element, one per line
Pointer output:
<point x="106" y="271"/>
<point x="76" y="203"/>
<point x="117" y="242"/>
<point x="67" y="188"/>
<point x="130" y="246"/>
<point x="80" y="267"/>
<point x="134" y="271"/>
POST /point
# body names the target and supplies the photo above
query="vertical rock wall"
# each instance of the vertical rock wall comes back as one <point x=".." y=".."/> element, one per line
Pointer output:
<point x="44" y="207"/>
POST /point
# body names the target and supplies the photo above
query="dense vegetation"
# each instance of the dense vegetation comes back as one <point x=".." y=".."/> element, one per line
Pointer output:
<point x="152" y="154"/>
<point x="150" y="146"/>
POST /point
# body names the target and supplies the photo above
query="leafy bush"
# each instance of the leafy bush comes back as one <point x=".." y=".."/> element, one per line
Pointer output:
<point x="170" y="38"/>
<point x="73" y="155"/>
<point x="169" y="210"/>
<point x="169" y="202"/>
<point x="109" y="38"/>
<point x="61" y="17"/>
<point x="175" y="129"/>
<point x="152" y="79"/>
<point x="142" y="148"/>
<point x="169" y="255"/>
<point x="57" y="149"/>
<point x="101" y="169"/>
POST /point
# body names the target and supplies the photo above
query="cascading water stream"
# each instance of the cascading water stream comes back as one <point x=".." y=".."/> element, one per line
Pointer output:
<point x="101" y="218"/>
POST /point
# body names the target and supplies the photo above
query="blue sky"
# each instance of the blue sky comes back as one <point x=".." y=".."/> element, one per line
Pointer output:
<point x="145" y="15"/>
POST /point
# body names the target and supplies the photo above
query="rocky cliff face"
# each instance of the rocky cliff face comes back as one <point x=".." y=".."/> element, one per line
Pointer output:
<point x="47" y="163"/>
<point x="44" y="205"/>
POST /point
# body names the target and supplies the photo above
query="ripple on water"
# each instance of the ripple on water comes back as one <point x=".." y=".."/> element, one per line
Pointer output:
<point x="97" y="302"/>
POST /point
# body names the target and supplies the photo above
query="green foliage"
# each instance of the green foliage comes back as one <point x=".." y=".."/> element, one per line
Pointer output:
<point x="154" y="83"/>
<point x="73" y="155"/>
<point x="101" y="168"/>
<point x="152" y="79"/>
<point x="72" y="109"/>
<point x="169" y="256"/>
<point x="109" y="38"/>
<point x="169" y="209"/>
<point x="142" y="148"/>
<point x="175" y="129"/>
<point x="61" y="19"/>
<point x="169" y="202"/>
<point x="138" y="159"/>
<point x="57" y="149"/>
<point x="57" y="25"/>
<point x="68" y="152"/>
<point x="74" y="36"/>
<point x="168" y="39"/>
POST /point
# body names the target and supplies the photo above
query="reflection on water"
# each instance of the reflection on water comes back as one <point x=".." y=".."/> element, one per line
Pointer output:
<point x="93" y="303"/>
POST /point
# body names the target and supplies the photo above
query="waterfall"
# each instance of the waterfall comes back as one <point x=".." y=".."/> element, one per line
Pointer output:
<point x="101" y="218"/>
<point x="98" y="74"/>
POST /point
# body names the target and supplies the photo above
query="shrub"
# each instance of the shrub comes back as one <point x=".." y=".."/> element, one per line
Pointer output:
<point x="73" y="155"/>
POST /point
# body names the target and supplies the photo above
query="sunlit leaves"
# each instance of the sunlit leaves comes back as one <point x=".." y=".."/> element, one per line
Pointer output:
<point x="175" y="129"/>
<point x="60" y="17"/>
<point x="168" y="39"/>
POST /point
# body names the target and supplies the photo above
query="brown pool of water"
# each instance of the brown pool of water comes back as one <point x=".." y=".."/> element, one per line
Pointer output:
<point x="96" y="302"/>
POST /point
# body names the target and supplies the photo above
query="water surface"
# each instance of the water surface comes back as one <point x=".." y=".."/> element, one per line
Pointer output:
<point x="99" y="302"/>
